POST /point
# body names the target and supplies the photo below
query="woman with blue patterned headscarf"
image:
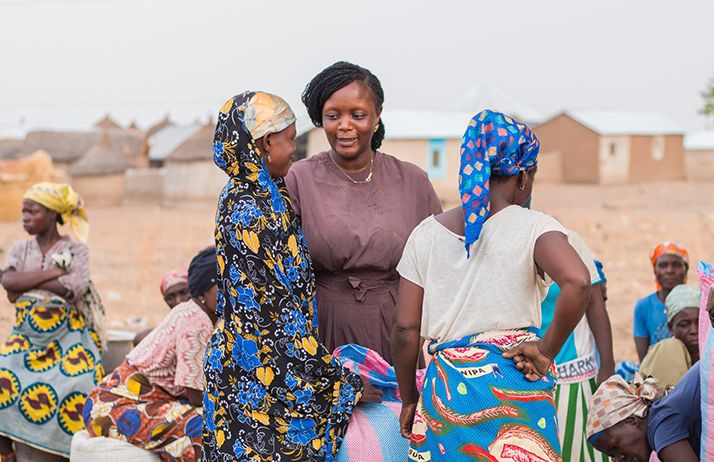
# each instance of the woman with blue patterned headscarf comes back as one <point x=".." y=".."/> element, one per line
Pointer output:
<point x="473" y="279"/>
<point x="273" y="391"/>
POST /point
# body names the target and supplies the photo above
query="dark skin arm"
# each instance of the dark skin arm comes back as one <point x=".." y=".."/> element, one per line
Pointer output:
<point x="599" y="322"/>
<point x="554" y="255"/>
<point x="681" y="451"/>
<point x="642" y="344"/>
<point x="14" y="281"/>
<point x="406" y="343"/>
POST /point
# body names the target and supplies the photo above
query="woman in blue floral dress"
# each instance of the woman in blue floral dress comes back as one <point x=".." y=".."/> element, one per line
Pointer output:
<point x="274" y="393"/>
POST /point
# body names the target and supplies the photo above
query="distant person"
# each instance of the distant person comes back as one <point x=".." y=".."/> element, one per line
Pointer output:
<point x="473" y="279"/>
<point x="52" y="358"/>
<point x="174" y="290"/>
<point x="629" y="421"/>
<point x="274" y="392"/>
<point x="671" y="358"/>
<point x="357" y="206"/>
<point x="579" y="371"/>
<point x="151" y="400"/>
<point x="670" y="262"/>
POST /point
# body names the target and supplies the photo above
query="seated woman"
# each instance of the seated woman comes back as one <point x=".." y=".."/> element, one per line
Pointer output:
<point x="489" y="387"/>
<point x="151" y="400"/>
<point x="174" y="290"/>
<point x="670" y="263"/>
<point x="671" y="358"/>
<point x="629" y="421"/>
<point x="52" y="357"/>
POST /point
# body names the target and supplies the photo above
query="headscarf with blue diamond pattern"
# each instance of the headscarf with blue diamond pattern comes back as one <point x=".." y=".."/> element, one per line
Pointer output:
<point x="493" y="144"/>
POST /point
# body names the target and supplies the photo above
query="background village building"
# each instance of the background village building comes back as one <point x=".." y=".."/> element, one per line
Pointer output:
<point x="99" y="174"/>
<point x="107" y="123"/>
<point x="67" y="147"/>
<point x="610" y="147"/>
<point x="10" y="148"/>
<point x="147" y="184"/>
<point x="190" y="173"/>
<point x="699" y="147"/>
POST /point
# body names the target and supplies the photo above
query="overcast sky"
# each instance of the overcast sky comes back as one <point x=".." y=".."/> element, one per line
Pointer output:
<point x="67" y="62"/>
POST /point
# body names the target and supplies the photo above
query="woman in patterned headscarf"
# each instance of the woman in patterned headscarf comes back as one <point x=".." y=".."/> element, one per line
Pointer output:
<point x="273" y="391"/>
<point x="52" y="357"/>
<point x="627" y="421"/>
<point x="670" y="262"/>
<point x="473" y="279"/>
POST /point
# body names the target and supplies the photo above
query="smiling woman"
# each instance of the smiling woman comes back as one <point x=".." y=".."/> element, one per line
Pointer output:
<point x="358" y="207"/>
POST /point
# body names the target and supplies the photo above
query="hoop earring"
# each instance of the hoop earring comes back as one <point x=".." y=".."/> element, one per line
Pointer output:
<point x="522" y="187"/>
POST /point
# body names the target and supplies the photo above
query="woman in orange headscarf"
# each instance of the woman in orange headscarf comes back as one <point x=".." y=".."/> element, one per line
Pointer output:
<point x="671" y="263"/>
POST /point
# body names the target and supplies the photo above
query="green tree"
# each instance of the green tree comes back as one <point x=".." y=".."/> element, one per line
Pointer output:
<point x="707" y="109"/>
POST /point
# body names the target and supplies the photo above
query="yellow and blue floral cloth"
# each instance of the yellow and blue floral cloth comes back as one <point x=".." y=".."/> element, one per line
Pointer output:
<point x="48" y="365"/>
<point x="273" y="391"/>
<point x="493" y="144"/>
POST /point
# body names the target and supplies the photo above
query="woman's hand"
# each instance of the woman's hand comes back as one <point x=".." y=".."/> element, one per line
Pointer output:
<point x="531" y="359"/>
<point x="406" y="419"/>
<point x="369" y="393"/>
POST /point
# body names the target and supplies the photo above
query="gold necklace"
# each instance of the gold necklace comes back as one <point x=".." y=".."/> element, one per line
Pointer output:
<point x="366" y="180"/>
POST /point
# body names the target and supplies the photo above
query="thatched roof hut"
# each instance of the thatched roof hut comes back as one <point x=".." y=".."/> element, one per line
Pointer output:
<point x="107" y="123"/>
<point x="10" y="148"/>
<point x="197" y="147"/>
<point x="163" y="123"/>
<point x="66" y="147"/>
<point x="100" y="160"/>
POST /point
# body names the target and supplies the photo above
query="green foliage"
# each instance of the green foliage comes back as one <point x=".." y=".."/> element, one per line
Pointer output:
<point x="708" y="97"/>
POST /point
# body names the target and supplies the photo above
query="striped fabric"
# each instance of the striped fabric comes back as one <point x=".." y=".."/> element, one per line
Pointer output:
<point x="572" y="402"/>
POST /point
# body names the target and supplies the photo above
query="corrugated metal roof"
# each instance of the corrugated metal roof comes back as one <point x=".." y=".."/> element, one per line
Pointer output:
<point x="699" y="141"/>
<point x="622" y="123"/>
<point x="166" y="140"/>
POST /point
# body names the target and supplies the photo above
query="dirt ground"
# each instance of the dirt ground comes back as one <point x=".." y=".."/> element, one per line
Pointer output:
<point x="132" y="246"/>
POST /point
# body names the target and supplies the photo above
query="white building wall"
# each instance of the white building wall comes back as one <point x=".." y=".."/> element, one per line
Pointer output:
<point x="614" y="159"/>
<point x="193" y="181"/>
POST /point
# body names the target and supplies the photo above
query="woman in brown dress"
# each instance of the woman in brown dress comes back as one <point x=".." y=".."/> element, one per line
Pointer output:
<point x="358" y="207"/>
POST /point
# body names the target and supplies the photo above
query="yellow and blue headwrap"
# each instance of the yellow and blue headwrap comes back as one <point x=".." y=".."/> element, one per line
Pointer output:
<point x="61" y="198"/>
<point x="493" y="143"/>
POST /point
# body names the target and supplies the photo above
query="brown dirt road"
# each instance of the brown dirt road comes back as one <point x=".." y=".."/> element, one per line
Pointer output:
<point x="132" y="246"/>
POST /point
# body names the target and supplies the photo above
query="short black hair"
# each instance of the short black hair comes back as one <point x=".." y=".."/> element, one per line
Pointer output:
<point x="335" y="77"/>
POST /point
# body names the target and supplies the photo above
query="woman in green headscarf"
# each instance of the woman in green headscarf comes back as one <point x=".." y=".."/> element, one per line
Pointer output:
<point x="669" y="359"/>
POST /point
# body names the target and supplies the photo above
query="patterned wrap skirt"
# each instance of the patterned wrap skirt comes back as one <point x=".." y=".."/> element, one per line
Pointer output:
<point x="47" y="366"/>
<point x="126" y="406"/>
<point x="475" y="404"/>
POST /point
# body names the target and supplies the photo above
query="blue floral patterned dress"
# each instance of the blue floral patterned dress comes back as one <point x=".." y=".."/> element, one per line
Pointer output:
<point x="274" y="393"/>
